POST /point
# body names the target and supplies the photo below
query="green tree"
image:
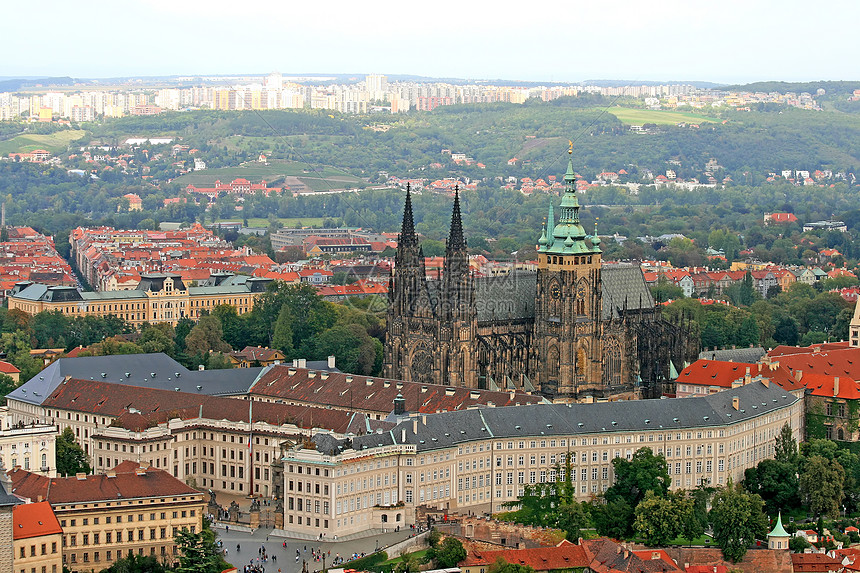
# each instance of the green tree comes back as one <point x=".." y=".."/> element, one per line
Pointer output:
<point x="614" y="518"/>
<point x="634" y="478"/>
<point x="71" y="458"/>
<point x="448" y="554"/>
<point x="737" y="518"/>
<point x="7" y="384"/>
<point x="659" y="519"/>
<point x="409" y="563"/>
<point x="198" y="552"/>
<point x="785" y="446"/>
<point x="776" y="482"/>
<point x="354" y="348"/>
<point x="206" y="336"/>
<point x="821" y="484"/>
<point x="282" y="338"/>
<point x="665" y="291"/>
<point x="798" y="544"/>
<point x="157" y="338"/>
<point x="695" y="522"/>
<point x="136" y="564"/>
<point x="502" y="566"/>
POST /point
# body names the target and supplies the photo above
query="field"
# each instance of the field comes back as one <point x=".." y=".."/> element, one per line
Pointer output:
<point x="54" y="142"/>
<point x="640" y="116"/>
<point x="320" y="178"/>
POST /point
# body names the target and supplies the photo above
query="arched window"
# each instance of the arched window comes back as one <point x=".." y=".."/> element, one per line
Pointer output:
<point x="840" y="434"/>
<point x="612" y="363"/>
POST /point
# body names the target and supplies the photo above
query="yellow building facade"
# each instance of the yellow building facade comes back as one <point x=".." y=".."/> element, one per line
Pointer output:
<point x="158" y="298"/>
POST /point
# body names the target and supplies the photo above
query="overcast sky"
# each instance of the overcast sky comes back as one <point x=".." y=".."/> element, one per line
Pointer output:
<point x="540" y="40"/>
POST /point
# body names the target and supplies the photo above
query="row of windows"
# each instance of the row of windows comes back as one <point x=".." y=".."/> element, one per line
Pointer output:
<point x="44" y="550"/>
<point x="129" y="518"/>
<point x="85" y="557"/>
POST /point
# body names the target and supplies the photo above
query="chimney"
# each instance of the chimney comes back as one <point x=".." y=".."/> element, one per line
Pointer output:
<point x="201" y="368"/>
<point x="415" y="426"/>
<point x="798" y="375"/>
<point x="331" y="361"/>
<point x="747" y="377"/>
<point x="424" y="419"/>
<point x="403" y="435"/>
<point x="303" y="363"/>
<point x="736" y="403"/>
<point x="111" y="473"/>
<point x="81" y="476"/>
<point x="835" y="386"/>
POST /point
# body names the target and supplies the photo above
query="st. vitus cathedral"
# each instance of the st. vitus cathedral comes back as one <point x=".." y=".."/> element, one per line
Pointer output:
<point x="573" y="329"/>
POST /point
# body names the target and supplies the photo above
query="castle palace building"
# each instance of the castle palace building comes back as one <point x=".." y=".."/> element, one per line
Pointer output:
<point x="575" y="329"/>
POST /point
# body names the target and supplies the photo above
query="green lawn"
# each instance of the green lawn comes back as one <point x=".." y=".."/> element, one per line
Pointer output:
<point x="639" y="116"/>
<point x="317" y="178"/>
<point x="55" y="142"/>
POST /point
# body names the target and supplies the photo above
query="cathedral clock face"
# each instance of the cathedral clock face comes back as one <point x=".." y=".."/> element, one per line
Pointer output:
<point x="580" y="291"/>
<point x="555" y="291"/>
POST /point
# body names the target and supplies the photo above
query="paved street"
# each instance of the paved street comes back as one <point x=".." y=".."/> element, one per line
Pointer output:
<point x="250" y="544"/>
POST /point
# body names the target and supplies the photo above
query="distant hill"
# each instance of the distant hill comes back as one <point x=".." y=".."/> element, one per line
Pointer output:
<point x="831" y="87"/>
<point x="12" y="85"/>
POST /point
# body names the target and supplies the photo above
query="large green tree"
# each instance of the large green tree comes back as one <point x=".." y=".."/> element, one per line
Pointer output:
<point x="136" y="564"/>
<point x="737" y="518"/>
<point x="71" y="458"/>
<point x="821" y="482"/>
<point x="644" y="472"/>
<point x="198" y="552"/>
<point x="776" y="482"/>
<point x="659" y="520"/>
<point x="448" y="553"/>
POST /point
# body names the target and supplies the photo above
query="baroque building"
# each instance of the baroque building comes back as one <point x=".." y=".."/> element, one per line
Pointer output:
<point x="574" y="329"/>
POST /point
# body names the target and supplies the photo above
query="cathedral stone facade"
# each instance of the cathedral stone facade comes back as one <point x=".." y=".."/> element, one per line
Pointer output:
<point x="574" y="329"/>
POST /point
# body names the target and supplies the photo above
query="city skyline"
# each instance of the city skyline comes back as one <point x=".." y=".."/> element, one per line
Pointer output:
<point x="550" y="42"/>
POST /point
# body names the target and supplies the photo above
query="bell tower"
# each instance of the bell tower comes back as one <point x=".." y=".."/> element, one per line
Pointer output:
<point x="567" y="356"/>
<point x="458" y="329"/>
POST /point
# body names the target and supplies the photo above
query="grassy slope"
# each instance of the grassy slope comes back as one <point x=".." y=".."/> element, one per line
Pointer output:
<point x="639" y="116"/>
<point x="54" y="142"/>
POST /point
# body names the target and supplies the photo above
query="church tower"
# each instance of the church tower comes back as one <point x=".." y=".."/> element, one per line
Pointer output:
<point x="432" y="327"/>
<point x="458" y="330"/>
<point x="567" y="355"/>
<point x="410" y="345"/>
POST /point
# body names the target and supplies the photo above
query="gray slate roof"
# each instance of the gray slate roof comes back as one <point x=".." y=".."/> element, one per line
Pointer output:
<point x="136" y="370"/>
<point x="451" y="428"/>
<point x="506" y="297"/>
<point x="624" y="286"/>
<point x="512" y="297"/>
<point x="744" y="355"/>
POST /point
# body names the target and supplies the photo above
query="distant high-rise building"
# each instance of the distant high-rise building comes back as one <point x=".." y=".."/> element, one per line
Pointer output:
<point x="377" y="85"/>
<point x="274" y="81"/>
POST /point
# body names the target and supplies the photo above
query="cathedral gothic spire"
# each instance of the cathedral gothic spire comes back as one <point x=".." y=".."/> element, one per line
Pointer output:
<point x="456" y="240"/>
<point x="407" y="229"/>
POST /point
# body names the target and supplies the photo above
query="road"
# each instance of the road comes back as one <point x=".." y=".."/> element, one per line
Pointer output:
<point x="250" y="543"/>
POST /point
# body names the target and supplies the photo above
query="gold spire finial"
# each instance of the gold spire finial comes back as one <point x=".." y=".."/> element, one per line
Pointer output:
<point x="570" y="148"/>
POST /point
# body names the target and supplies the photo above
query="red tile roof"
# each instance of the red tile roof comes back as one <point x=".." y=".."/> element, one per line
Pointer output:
<point x="34" y="520"/>
<point x="7" y="368"/>
<point x="375" y="394"/>
<point x="607" y="556"/>
<point x="815" y="563"/>
<point x="723" y="374"/>
<point x="130" y="482"/>
<point x="565" y="555"/>
<point x="141" y="408"/>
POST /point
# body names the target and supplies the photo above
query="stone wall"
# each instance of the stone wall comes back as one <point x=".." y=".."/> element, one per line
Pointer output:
<point x="6" y="538"/>
<point x="501" y="533"/>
